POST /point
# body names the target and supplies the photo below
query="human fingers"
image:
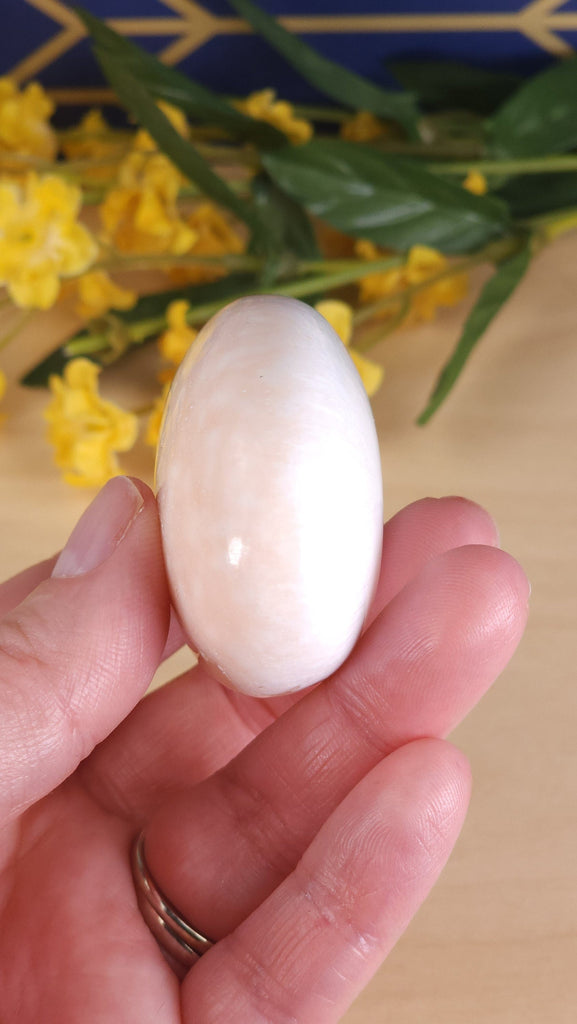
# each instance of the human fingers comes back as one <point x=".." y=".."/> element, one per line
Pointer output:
<point x="421" y="531"/>
<point x="308" y="950"/>
<point x="17" y="588"/>
<point x="423" y="664"/>
<point x="192" y="727"/>
<point x="410" y="538"/>
<point x="80" y="650"/>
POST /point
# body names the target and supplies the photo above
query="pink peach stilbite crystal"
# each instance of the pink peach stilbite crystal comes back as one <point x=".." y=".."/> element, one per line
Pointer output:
<point x="270" y="494"/>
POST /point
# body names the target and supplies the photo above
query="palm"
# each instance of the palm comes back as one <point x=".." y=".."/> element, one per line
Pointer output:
<point x="69" y="910"/>
<point x="244" y="803"/>
<point x="66" y="892"/>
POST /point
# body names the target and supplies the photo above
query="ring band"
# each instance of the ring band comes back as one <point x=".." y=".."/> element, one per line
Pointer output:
<point x="178" y="939"/>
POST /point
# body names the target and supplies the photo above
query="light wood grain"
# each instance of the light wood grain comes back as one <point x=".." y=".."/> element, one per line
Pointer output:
<point x="496" y="941"/>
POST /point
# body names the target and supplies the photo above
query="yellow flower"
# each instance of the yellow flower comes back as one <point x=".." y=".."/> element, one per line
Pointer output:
<point x="86" y="430"/>
<point x="363" y="127"/>
<point x="264" y="106"/>
<point x="155" y="419"/>
<point x="93" y="140"/>
<point x="144" y="142"/>
<point x="41" y="240"/>
<point x="97" y="293"/>
<point x="421" y="264"/>
<point x="381" y="283"/>
<point x="140" y="214"/>
<point x="215" y="236"/>
<point x="476" y="183"/>
<point x="177" y="339"/>
<point x="340" y="317"/>
<point x="24" y="121"/>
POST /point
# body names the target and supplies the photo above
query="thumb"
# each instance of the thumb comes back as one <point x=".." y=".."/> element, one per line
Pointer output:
<point x="80" y="651"/>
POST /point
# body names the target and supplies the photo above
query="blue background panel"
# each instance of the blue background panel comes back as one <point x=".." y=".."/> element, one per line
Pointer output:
<point x="313" y="7"/>
<point x="238" y="63"/>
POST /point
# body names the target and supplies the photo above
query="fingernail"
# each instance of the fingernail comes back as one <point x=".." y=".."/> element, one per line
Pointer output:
<point x="101" y="528"/>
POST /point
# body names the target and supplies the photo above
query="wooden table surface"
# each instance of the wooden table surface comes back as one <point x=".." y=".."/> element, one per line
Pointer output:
<point x="496" y="942"/>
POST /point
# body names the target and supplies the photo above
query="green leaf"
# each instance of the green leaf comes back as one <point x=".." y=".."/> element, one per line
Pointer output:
<point x="493" y="297"/>
<point x="38" y="376"/>
<point x="531" y="194"/>
<point x="392" y="201"/>
<point x="334" y="80"/>
<point x="451" y="85"/>
<point x="291" y="231"/>
<point x="183" y="154"/>
<point x="541" y="117"/>
<point x="164" y="83"/>
<point x="148" y="307"/>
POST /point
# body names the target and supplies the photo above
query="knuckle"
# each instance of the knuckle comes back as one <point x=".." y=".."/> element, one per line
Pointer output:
<point x="336" y="900"/>
<point x="260" y="983"/>
<point x="33" y="680"/>
<point x="364" y="709"/>
<point x="258" y="822"/>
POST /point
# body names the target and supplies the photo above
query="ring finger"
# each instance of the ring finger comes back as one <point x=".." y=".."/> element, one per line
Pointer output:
<point x="424" y="662"/>
<point x="306" y="952"/>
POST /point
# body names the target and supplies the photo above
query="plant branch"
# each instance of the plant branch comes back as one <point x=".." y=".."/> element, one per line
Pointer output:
<point x="527" y="165"/>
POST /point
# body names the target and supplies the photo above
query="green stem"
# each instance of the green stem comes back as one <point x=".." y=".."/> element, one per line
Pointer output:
<point x="471" y="151"/>
<point x="383" y="330"/>
<point x="300" y="288"/>
<point x="160" y="261"/>
<point x="328" y="114"/>
<point x="552" y="225"/>
<point x="343" y="266"/>
<point x="527" y="165"/>
<point x="92" y="196"/>
<point x="228" y="154"/>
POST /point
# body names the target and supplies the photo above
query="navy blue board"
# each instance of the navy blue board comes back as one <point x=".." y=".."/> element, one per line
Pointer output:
<point x="41" y="39"/>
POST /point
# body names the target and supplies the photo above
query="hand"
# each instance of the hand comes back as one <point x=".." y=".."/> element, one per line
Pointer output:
<point x="299" y="833"/>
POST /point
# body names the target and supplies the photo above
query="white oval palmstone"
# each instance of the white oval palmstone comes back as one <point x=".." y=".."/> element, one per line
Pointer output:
<point x="270" y="494"/>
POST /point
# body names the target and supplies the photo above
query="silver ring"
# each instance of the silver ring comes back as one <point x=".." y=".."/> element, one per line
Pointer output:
<point x="178" y="940"/>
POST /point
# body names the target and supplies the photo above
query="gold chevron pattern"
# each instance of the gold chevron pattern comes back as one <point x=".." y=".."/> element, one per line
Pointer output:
<point x="189" y="25"/>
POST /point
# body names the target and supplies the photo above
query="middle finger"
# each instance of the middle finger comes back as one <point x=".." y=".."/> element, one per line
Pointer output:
<point x="189" y="729"/>
<point x="219" y="850"/>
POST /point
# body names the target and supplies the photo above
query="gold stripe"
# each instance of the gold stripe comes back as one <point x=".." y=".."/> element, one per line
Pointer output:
<point x="46" y="54"/>
<point x="541" y="7"/>
<point x="149" y="26"/>
<point x="189" y="9"/>
<point x="538" y="21"/>
<point x="58" y="12"/>
<point x="83" y="97"/>
<point x="181" y="48"/>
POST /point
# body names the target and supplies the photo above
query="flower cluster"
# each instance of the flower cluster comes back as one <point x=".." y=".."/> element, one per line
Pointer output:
<point x="25" y="129"/>
<point x="173" y="345"/>
<point x="264" y="106"/>
<point x="41" y="240"/>
<point x="340" y="316"/>
<point x="397" y="286"/>
<point x="84" y="209"/>
<point x="140" y="214"/>
<point x="85" y="429"/>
